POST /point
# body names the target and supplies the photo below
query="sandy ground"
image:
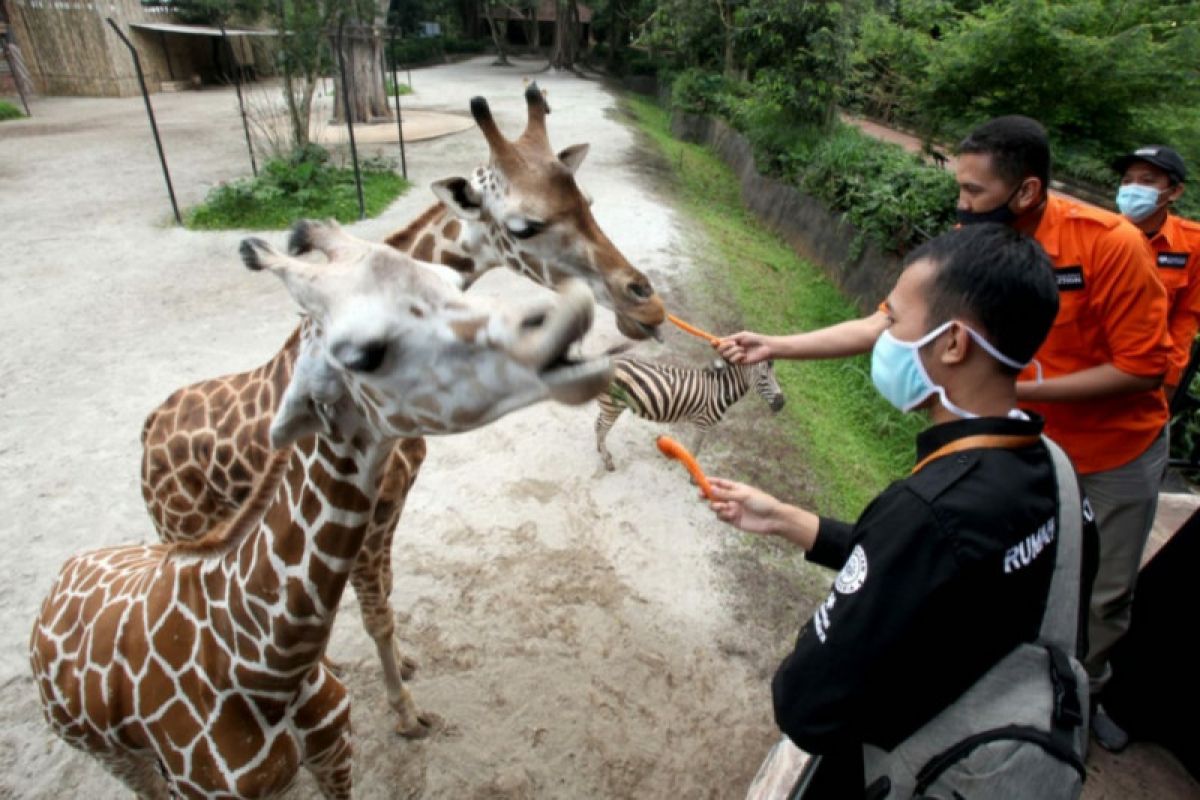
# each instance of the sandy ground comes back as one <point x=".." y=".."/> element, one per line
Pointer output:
<point x="584" y="634"/>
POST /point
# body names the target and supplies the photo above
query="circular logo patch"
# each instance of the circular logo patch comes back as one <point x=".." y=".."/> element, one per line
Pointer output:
<point x="854" y="573"/>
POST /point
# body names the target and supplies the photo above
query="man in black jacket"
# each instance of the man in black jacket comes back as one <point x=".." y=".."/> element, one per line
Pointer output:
<point x="948" y="569"/>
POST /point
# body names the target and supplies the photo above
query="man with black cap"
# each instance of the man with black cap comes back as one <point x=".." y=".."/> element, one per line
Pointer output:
<point x="1152" y="179"/>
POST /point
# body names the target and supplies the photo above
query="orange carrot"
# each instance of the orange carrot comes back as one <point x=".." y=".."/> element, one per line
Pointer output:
<point x="673" y="449"/>
<point x="694" y="331"/>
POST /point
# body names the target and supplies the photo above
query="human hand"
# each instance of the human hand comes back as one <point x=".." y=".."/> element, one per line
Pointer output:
<point x="744" y="348"/>
<point x="745" y="507"/>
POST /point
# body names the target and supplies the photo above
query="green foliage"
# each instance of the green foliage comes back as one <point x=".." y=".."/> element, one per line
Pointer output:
<point x="854" y="441"/>
<point x="892" y="197"/>
<point x="391" y="88"/>
<point x="1103" y="76"/>
<point x="303" y="185"/>
<point x="797" y="53"/>
<point x="699" y="91"/>
<point x="415" y="50"/>
<point x="9" y="111"/>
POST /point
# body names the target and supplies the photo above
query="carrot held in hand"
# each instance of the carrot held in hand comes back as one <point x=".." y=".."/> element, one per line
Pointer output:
<point x="694" y="331"/>
<point x="673" y="449"/>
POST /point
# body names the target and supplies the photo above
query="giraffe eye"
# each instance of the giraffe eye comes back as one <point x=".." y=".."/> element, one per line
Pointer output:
<point x="525" y="228"/>
<point x="365" y="358"/>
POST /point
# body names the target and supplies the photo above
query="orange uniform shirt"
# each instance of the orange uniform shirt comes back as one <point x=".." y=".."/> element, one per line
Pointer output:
<point x="1177" y="253"/>
<point x="1112" y="310"/>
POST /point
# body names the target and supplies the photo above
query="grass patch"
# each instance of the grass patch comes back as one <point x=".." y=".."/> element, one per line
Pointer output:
<point x="290" y="189"/>
<point x="9" y="111"/>
<point x="404" y="88"/>
<point x="854" y="441"/>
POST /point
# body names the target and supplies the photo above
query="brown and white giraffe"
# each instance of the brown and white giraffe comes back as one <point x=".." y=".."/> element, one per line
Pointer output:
<point x="206" y="446"/>
<point x="195" y="669"/>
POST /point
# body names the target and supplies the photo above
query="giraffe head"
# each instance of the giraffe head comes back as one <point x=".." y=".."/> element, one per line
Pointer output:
<point x="534" y="213"/>
<point x="396" y="349"/>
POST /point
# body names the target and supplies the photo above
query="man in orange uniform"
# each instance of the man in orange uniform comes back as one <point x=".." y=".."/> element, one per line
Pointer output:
<point x="1152" y="179"/>
<point x="1102" y="364"/>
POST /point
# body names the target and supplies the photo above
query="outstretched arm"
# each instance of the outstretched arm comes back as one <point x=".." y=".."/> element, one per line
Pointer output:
<point x="754" y="511"/>
<point x="844" y="339"/>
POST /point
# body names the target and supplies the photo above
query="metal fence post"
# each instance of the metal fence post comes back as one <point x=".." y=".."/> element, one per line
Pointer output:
<point x="362" y="206"/>
<point x="396" y="95"/>
<point x="237" y="84"/>
<point x="137" y="65"/>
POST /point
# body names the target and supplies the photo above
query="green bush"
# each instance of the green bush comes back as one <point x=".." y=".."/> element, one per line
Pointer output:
<point x="698" y="91"/>
<point x="9" y="111"/>
<point x="893" y="197"/>
<point x="416" y="50"/>
<point x="391" y="88"/>
<point x="466" y="46"/>
<point x="303" y="185"/>
<point x="1109" y="76"/>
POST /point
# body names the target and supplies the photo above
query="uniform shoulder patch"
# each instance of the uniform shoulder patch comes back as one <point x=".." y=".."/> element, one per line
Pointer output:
<point x="854" y="572"/>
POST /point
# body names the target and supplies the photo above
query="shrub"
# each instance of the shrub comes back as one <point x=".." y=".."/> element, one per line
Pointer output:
<point x="302" y="185"/>
<point x="9" y="111"/>
<point x="892" y="197"/>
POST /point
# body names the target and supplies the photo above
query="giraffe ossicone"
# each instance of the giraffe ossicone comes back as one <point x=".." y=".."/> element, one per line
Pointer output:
<point x="195" y="669"/>
<point x="526" y="205"/>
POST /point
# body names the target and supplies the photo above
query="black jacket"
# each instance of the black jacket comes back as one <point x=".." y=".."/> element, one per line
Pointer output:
<point x="944" y="573"/>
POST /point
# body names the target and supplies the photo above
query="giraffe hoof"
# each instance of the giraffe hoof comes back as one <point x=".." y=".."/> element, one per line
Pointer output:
<point x="426" y="725"/>
<point x="408" y="667"/>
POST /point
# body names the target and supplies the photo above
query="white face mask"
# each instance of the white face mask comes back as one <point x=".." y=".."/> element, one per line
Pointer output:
<point x="899" y="374"/>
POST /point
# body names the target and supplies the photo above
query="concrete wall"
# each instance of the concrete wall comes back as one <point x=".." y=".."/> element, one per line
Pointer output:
<point x="814" y="232"/>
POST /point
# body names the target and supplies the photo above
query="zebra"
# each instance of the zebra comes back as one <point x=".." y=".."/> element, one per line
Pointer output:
<point x="664" y="393"/>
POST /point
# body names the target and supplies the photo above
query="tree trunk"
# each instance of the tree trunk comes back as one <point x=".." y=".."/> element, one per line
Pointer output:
<point x="362" y="51"/>
<point x="614" y="38"/>
<point x="497" y="36"/>
<point x="565" y="34"/>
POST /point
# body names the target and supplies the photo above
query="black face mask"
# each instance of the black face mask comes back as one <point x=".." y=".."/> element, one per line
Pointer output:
<point x="1001" y="213"/>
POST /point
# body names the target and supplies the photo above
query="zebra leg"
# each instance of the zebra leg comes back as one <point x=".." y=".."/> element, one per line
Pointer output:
<point x="604" y="422"/>
<point x="698" y="440"/>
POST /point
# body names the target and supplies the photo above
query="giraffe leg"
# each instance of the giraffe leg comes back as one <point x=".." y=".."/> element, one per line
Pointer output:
<point x="604" y="422"/>
<point x="380" y="623"/>
<point x="322" y="721"/>
<point x="371" y="578"/>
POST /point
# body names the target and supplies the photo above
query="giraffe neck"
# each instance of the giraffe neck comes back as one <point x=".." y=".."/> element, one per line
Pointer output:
<point x="440" y="237"/>
<point x="278" y="570"/>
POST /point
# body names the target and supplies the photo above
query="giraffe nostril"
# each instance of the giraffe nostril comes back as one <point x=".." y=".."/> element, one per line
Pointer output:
<point x="640" y="290"/>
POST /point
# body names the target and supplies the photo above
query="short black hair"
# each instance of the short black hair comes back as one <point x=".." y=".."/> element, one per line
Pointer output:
<point x="1018" y="146"/>
<point x="991" y="276"/>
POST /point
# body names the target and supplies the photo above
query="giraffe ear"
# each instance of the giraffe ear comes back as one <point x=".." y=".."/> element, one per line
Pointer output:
<point x="459" y="196"/>
<point x="573" y="156"/>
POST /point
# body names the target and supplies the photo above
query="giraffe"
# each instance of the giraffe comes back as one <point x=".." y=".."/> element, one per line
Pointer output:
<point x="194" y="669"/>
<point x="206" y="445"/>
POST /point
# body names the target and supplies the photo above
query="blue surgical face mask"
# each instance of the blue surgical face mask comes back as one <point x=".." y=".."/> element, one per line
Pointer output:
<point x="1137" y="202"/>
<point x="899" y="375"/>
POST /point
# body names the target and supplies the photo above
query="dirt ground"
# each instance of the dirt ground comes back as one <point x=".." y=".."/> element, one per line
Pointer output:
<point x="584" y="634"/>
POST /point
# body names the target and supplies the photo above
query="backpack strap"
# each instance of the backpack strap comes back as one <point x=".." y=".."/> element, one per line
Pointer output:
<point x="1060" y="622"/>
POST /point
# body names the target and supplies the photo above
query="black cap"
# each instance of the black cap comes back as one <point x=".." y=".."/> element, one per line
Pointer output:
<point x="1161" y="156"/>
